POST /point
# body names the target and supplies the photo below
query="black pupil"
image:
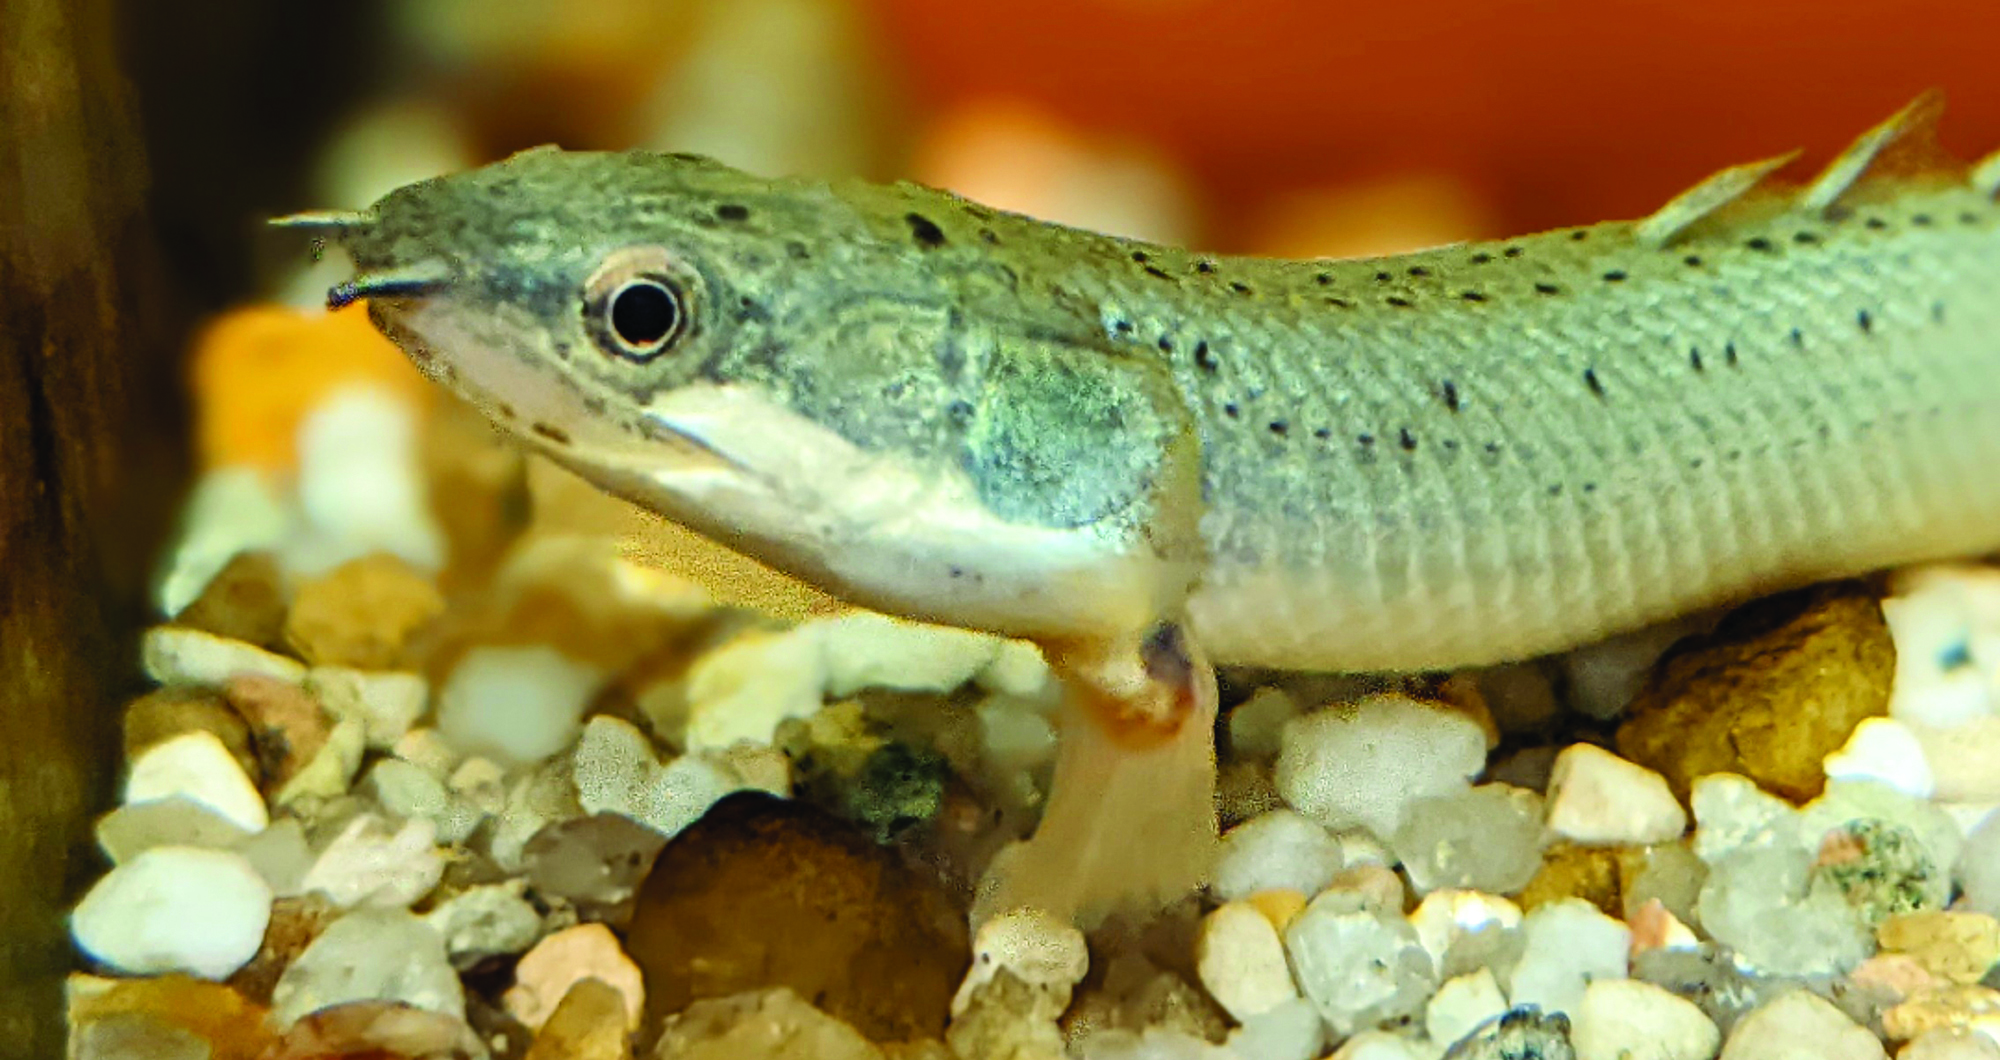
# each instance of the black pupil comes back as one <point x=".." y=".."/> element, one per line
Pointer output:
<point x="643" y="313"/>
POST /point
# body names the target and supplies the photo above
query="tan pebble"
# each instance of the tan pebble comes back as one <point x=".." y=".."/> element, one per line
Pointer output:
<point x="1654" y="927"/>
<point x="1951" y="1006"/>
<point x="165" y="713"/>
<point x="374" y="1028"/>
<point x="1378" y="885"/>
<point x="230" y="1025"/>
<point x="1950" y="1043"/>
<point x="548" y="971"/>
<point x="1279" y="905"/>
<point x="771" y="1024"/>
<point x="589" y="1024"/>
<point x="287" y="726"/>
<point x="245" y="601"/>
<point x="1959" y="947"/>
<point x="1897" y="974"/>
<point x="362" y="613"/>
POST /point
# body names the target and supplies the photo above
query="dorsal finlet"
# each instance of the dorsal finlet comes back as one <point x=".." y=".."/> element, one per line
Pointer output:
<point x="1909" y="134"/>
<point x="1705" y="198"/>
<point x="1986" y="176"/>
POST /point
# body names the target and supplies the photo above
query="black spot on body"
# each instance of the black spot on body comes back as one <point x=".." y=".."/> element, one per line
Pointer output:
<point x="1511" y="252"/>
<point x="1729" y="353"/>
<point x="1590" y="379"/>
<point x="1579" y="235"/>
<point x="1365" y="439"/>
<point x="1547" y="288"/>
<point x="925" y="231"/>
<point x="1473" y="296"/>
<point x="1399" y="303"/>
<point x="1694" y="357"/>
<point x="1322" y="433"/>
<point x="1240" y="288"/>
<point x="1139" y="256"/>
<point x="1920" y="219"/>
<point x="1339" y="303"/>
<point x="1615" y="276"/>
<point x="1876" y="223"/>
<point x="1204" y="267"/>
<point x="1804" y="238"/>
<point x="730" y="211"/>
<point x="1230" y="410"/>
<point x="1157" y="273"/>
<point x="1383" y="277"/>
<point x="1166" y="344"/>
<point x="797" y="251"/>
<point x="1280" y="428"/>
<point x="989" y="236"/>
<point x="1692" y="261"/>
<point x="552" y="433"/>
<point x="1405" y="439"/>
<point x="1481" y="258"/>
<point x="1758" y="243"/>
<point x="1324" y="278"/>
<point x="1419" y="271"/>
<point x="1798" y="338"/>
<point x="1203" y="359"/>
<point x="1450" y="394"/>
<point x="1865" y="322"/>
<point x="1123" y="327"/>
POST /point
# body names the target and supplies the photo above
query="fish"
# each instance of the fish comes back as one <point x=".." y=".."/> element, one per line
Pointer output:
<point x="1152" y="460"/>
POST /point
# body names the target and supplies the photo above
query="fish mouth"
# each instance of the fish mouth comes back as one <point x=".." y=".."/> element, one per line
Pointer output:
<point x="346" y="227"/>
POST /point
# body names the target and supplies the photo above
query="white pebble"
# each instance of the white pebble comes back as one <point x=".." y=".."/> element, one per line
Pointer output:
<point x="407" y="791"/>
<point x="427" y="748"/>
<point x="1363" y="764"/>
<point x="1031" y="945"/>
<point x="370" y="955"/>
<point x="1018" y="669"/>
<point x="1450" y="921"/>
<point x="517" y="704"/>
<point x="1569" y="944"/>
<point x="177" y="655"/>
<point x="196" y="766"/>
<point x="360" y="483"/>
<point x="1242" y="962"/>
<point x="616" y="772"/>
<point x="486" y="921"/>
<point x="863" y="649"/>
<point x="368" y="864"/>
<point x="230" y="510"/>
<point x="1256" y="727"/>
<point x="1936" y="617"/>
<point x="1625" y="1019"/>
<point x="1979" y="868"/>
<point x="280" y="855"/>
<point x="175" y="909"/>
<point x="1596" y="797"/>
<point x="1359" y="966"/>
<point x="175" y="821"/>
<point x="1487" y="838"/>
<point x="1462" y="1004"/>
<point x="536" y="799"/>
<point x="388" y="703"/>
<point x="1884" y="750"/>
<point x="745" y="689"/>
<point x="1279" y="850"/>
<point x="1732" y="812"/>
<point x="1383" y="1045"/>
<point x="1965" y="761"/>
<point x="1289" y="1031"/>
<point x="1762" y="903"/>
<point x="1800" y="1026"/>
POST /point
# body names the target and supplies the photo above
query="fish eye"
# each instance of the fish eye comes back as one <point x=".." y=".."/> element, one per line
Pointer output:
<point x="635" y="307"/>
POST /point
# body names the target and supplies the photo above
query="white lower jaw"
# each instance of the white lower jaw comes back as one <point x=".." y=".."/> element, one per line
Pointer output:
<point x="879" y="530"/>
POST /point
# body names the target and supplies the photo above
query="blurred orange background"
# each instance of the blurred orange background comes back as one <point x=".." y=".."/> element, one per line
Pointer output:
<point x="1558" y="111"/>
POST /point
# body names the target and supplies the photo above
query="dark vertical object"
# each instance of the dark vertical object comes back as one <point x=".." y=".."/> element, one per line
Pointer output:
<point x="89" y="447"/>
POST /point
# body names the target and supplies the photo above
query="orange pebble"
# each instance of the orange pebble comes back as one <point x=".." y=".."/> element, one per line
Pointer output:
<point x="257" y="371"/>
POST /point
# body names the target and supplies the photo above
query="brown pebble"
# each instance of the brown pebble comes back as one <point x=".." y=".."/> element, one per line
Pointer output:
<point x="287" y="726"/>
<point x="245" y="601"/>
<point x="765" y="892"/>
<point x="1777" y="687"/>
<point x="231" y="1025"/>
<point x="295" y="923"/>
<point x="1572" y="870"/>
<point x="362" y="613"/>
<point x="165" y="713"/>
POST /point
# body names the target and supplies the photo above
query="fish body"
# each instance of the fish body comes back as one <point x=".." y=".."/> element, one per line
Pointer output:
<point x="1454" y="457"/>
